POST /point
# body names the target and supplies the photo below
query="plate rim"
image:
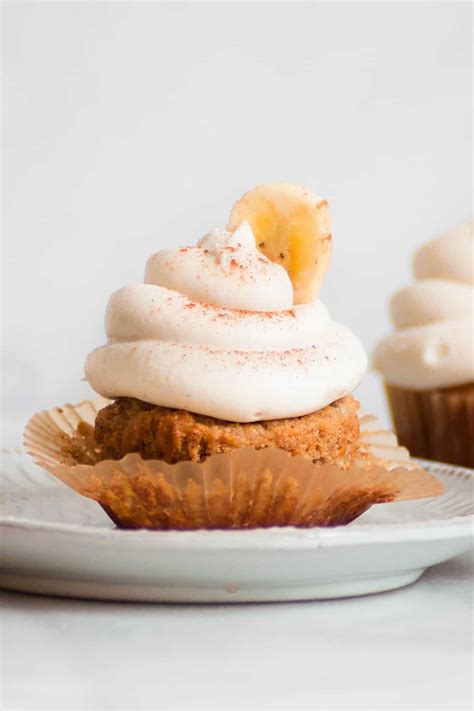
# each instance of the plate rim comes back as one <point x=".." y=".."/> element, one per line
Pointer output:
<point x="287" y="536"/>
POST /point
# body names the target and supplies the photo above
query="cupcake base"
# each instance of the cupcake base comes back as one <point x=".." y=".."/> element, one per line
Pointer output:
<point x="435" y="424"/>
<point x="330" y="435"/>
<point x="245" y="488"/>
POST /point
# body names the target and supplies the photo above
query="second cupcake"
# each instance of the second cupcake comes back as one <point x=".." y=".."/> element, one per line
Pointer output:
<point x="428" y="362"/>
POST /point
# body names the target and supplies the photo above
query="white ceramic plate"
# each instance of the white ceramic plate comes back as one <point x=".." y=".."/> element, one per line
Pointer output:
<point x="55" y="542"/>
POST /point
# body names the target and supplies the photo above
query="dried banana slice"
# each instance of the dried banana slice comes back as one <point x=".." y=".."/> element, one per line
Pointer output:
<point x="291" y="227"/>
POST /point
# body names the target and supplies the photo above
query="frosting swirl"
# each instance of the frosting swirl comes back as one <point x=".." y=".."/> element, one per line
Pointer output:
<point x="433" y="346"/>
<point x="225" y="269"/>
<point x="214" y="330"/>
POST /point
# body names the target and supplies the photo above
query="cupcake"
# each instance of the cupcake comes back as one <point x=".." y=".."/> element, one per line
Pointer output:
<point x="428" y="362"/>
<point x="227" y="387"/>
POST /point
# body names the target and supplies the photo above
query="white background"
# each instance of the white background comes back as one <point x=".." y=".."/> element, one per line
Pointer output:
<point x="133" y="126"/>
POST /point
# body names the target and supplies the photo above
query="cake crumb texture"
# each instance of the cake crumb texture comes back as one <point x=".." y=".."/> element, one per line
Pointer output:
<point x="327" y="436"/>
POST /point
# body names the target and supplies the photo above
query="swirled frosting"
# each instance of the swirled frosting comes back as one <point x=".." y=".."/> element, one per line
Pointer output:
<point x="213" y="330"/>
<point x="433" y="346"/>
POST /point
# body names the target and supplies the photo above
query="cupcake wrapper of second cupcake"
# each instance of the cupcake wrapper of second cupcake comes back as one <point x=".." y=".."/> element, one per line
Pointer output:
<point x="242" y="489"/>
<point x="435" y="424"/>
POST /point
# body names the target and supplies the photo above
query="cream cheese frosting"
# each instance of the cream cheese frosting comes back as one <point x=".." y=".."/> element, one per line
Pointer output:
<point x="433" y="346"/>
<point x="225" y="269"/>
<point x="214" y="330"/>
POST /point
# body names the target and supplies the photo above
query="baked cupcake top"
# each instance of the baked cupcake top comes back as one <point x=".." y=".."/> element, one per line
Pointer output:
<point x="215" y="330"/>
<point x="433" y="345"/>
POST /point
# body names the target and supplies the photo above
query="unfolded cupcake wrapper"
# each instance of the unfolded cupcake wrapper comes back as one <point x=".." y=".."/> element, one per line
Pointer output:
<point x="245" y="488"/>
<point x="435" y="424"/>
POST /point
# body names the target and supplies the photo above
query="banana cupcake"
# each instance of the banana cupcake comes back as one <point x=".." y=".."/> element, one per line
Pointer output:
<point x="428" y="362"/>
<point x="229" y="387"/>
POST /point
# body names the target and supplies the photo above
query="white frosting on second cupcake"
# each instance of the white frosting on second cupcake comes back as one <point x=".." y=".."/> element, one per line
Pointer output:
<point x="433" y="345"/>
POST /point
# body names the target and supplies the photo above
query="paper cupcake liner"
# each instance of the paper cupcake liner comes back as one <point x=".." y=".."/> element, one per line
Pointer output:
<point x="245" y="488"/>
<point x="435" y="424"/>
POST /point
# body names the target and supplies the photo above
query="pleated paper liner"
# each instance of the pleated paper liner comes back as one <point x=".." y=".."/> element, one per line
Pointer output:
<point x="435" y="424"/>
<point x="245" y="488"/>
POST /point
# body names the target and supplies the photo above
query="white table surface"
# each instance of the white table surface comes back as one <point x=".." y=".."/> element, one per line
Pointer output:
<point x="407" y="649"/>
